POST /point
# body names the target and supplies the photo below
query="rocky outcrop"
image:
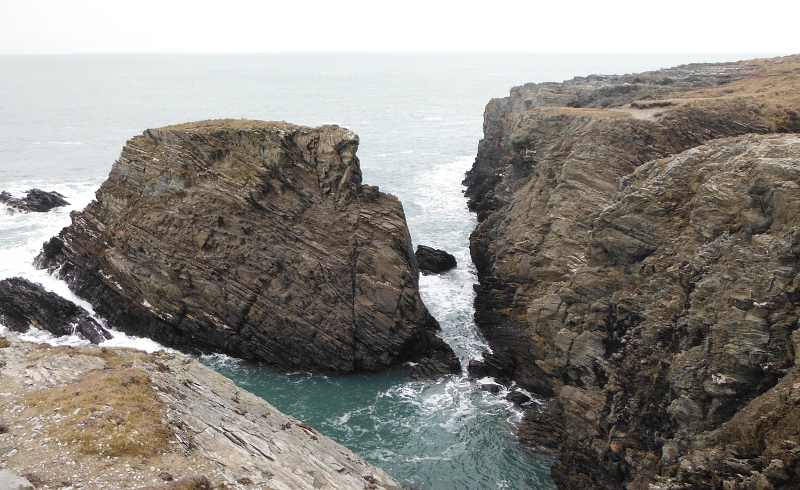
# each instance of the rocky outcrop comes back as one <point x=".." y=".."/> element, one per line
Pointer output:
<point x="94" y="417"/>
<point x="434" y="261"/>
<point x="643" y="271"/>
<point x="255" y="239"/>
<point x="35" y="200"/>
<point x="24" y="304"/>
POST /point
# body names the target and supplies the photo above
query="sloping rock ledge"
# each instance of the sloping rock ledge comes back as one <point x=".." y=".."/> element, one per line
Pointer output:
<point x="94" y="417"/>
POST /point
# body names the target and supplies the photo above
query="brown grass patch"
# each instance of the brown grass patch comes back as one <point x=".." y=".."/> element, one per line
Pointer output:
<point x="109" y="412"/>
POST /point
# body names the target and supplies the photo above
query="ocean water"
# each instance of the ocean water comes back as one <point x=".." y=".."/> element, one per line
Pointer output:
<point x="64" y="120"/>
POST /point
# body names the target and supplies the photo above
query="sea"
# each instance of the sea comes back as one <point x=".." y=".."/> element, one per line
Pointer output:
<point x="64" y="120"/>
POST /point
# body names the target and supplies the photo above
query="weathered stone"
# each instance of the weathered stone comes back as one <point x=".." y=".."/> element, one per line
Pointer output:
<point x="434" y="261"/>
<point x="24" y="304"/>
<point x="35" y="200"/>
<point x="639" y="261"/>
<point x="255" y="239"/>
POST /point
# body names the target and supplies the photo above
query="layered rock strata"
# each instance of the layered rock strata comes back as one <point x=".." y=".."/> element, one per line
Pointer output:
<point x="255" y="239"/>
<point x="94" y="417"/>
<point x="24" y="304"/>
<point x="643" y="271"/>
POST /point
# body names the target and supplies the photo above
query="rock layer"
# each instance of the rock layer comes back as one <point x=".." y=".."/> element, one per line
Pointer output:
<point x="255" y="239"/>
<point x="643" y="271"/>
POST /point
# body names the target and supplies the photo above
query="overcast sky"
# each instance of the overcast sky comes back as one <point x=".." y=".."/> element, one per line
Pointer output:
<point x="680" y="26"/>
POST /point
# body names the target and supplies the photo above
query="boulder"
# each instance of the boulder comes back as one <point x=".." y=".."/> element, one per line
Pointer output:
<point x="35" y="200"/>
<point x="254" y="239"/>
<point x="434" y="261"/>
<point x="24" y="304"/>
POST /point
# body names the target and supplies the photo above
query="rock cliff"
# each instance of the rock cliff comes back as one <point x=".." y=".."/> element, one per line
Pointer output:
<point x="93" y="417"/>
<point x="637" y="251"/>
<point x="255" y="239"/>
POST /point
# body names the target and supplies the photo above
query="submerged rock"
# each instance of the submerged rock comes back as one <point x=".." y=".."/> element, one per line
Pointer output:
<point x="637" y="252"/>
<point x="24" y="304"/>
<point x="254" y="239"/>
<point x="433" y="260"/>
<point x="36" y="200"/>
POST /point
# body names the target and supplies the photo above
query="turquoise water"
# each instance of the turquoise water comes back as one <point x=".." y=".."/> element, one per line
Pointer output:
<point x="64" y="120"/>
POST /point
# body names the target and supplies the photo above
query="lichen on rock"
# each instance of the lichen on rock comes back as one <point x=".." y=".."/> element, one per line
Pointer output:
<point x="254" y="239"/>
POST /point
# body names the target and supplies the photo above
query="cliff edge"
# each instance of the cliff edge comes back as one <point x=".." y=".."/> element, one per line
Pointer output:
<point x="254" y="239"/>
<point x="637" y="250"/>
<point x="92" y="417"/>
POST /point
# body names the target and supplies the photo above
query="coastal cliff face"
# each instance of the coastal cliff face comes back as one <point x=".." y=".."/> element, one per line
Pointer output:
<point x="637" y="251"/>
<point x="254" y="239"/>
<point x="92" y="417"/>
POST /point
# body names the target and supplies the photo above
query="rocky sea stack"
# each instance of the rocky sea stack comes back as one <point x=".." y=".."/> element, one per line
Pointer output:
<point x="638" y="251"/>
<point x="254" y="239"/>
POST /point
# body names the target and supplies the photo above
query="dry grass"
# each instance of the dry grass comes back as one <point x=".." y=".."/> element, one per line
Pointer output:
<point x="109" y="412"/>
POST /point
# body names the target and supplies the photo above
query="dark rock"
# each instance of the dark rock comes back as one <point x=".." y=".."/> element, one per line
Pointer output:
<point x="36" y="200"/>
<point x="639" y="261"/>
<point x="434" y="261"/>
<point x="492" y="388"/>
<point x="24" y="304"/>
<point x="254" y="239"/>
<point x="518" y="398"/>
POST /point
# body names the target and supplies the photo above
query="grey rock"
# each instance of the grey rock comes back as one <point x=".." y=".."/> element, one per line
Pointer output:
<point x="11" y="481"/>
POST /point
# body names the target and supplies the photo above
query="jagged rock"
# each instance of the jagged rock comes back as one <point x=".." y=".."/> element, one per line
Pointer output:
<point x="24" y="304"/>
<point x="36" y="200"/>
<point x="254" y="239"/>
<point x="434" y="261"/>
<point x="641" y="269"/>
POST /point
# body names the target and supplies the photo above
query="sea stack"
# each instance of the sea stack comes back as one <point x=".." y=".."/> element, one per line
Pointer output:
<point x="638" y="251"/>
<point x="254" y="239"/>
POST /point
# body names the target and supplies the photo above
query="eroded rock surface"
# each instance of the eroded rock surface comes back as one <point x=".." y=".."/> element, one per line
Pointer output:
<point x="92" y="417"/>
<point x="254" y="239"/>
<point x="24" y="304"/>
<point x="643" y="271"/>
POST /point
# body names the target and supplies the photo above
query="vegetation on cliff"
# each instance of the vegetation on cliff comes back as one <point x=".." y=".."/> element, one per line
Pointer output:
<point x="643" y="271"/>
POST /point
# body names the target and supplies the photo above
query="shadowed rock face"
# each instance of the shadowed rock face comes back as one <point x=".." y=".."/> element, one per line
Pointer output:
<point x="254" y="239"/>
<point x="643" y="271"/>
<point x="24" y="304"/>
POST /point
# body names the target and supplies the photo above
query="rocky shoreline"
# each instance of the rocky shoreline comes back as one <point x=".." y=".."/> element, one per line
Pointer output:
<point x="637" y="255"/>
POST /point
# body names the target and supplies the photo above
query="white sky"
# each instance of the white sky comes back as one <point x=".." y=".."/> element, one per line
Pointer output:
<point x="626" y="26"/>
